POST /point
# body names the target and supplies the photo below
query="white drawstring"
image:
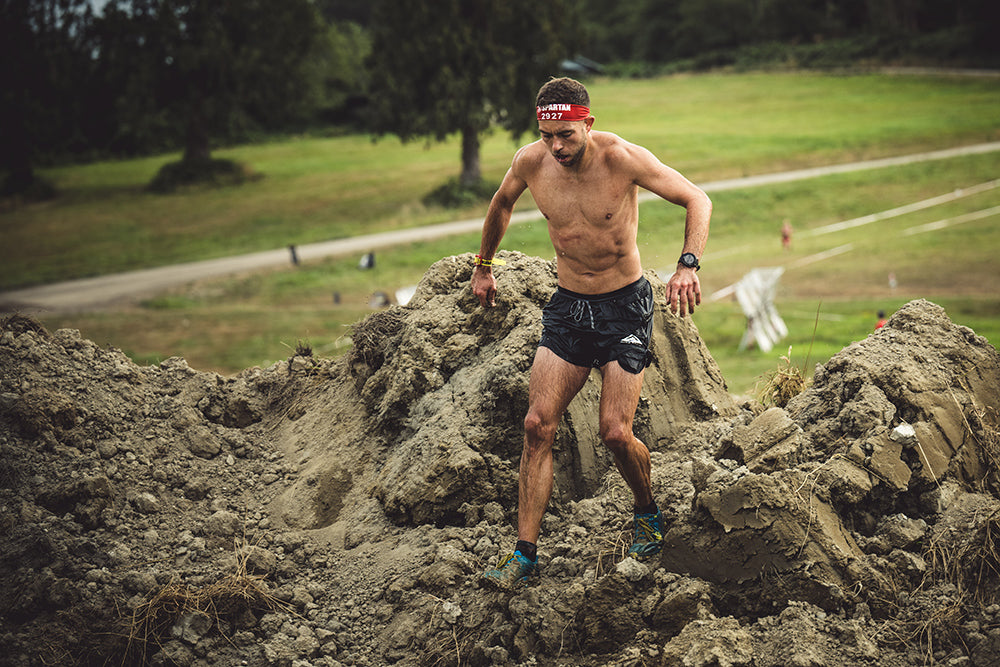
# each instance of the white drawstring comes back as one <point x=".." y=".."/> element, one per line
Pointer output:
<point x="577" y="310"/>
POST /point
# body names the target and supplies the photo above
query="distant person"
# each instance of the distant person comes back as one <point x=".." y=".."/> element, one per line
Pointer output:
<point x="881" y="320"/>
<point x="586" y="185"/>
<point x="786" y="235"/>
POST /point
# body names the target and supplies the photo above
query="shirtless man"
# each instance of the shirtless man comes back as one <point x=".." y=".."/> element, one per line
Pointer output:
<point x="586" y="185"/>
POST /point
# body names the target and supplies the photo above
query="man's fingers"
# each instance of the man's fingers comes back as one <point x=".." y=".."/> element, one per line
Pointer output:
<point x="487" y="298"/>
<point x="683" y="300"/>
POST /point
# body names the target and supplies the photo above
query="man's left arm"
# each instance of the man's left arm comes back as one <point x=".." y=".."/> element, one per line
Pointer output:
<point x="683" y="287"/>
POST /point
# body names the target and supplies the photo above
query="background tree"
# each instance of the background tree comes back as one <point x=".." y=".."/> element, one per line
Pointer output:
<point x="197" y="69"/>
<point x="338" y="74"/>
<point x="45" y="71"/>
<point x="463" y="66"/>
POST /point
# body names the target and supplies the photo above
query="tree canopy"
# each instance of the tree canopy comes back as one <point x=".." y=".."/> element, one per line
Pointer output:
<point x="211" y="67"/>
<point x="45" y="71"/>
<point x="661" y="31"/>
<point x="144" y="76"/>
<point x="464" y="66"/>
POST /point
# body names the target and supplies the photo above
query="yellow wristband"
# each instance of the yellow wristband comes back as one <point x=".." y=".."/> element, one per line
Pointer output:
<point x="481" y="261"/>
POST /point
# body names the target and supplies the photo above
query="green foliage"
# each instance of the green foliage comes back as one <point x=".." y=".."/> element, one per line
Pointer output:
<point x="194" y="70"/>
<point x="47" y="91"/>
<point x="699" y="34"/>
<point x="474" y="64"/>
<point x="184" y="173"/>
<point x="20" y="187"/>
<point x="452" y="66"/>
<point x="336" y="70"/>
<point x="454" y="194"/>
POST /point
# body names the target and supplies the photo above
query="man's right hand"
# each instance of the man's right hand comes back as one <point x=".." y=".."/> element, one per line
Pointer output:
<point x="484" y="286"/>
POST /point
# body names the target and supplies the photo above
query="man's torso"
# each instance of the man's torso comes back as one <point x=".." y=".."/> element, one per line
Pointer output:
<point x="592" y="216"/>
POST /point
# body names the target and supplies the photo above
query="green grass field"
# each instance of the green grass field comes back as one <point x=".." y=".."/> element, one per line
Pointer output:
<point x="710" y="127"/>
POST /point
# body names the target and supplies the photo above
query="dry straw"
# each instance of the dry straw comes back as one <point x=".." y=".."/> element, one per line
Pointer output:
<point x="236" y="593"/>
<point x="370" y="335"/>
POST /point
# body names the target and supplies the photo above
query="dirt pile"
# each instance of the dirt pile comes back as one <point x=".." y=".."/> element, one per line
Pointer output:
<point x="338" y="512"/>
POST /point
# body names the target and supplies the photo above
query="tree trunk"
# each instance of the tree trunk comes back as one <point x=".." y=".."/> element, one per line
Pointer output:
<point x="470" y="157"/>
<point x="17" y="173"/>
<point x="196" y="147"/>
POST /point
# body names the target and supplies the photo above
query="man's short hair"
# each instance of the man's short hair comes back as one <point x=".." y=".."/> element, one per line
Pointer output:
<point x="562" y="91"/>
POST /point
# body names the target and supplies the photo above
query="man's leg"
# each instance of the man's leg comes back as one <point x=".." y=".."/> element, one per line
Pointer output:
<point x="553" y="384"/>
<point x="619" y="398"/>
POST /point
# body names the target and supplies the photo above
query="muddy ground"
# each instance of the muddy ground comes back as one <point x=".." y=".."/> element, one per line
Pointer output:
<point x="339" y="511"/>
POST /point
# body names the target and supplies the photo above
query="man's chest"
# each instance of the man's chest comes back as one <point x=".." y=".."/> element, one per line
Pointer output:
<point x="595" y="201"/>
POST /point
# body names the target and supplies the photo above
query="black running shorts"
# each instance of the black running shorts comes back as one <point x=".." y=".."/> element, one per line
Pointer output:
<point x="592" y="329"/>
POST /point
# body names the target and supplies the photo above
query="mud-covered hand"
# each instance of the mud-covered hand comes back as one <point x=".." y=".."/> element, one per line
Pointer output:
<point x="484" y="286"/>
<point x="683" y="291"/>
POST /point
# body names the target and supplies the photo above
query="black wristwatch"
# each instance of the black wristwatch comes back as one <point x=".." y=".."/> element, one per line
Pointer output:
<point x="689" y="260"/>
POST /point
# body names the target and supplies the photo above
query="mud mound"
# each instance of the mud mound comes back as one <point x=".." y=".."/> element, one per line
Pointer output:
<point x="338" y="512"/>
<point x="448" y="390"/>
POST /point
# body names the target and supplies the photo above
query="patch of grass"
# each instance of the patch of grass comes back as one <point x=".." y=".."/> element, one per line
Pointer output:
<point x="719" y="126"/>
<point x="841" y="322"/>
<point x="235" y="323"/>
<point x="709" y="127"/>
<point x="169" y="302"/>
<point x="776" y="387"/>
<point x="369" y="336"/>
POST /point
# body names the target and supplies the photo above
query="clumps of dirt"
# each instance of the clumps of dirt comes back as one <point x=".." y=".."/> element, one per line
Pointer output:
<point x="335" y="512"/>
<point x="17" y="323"/>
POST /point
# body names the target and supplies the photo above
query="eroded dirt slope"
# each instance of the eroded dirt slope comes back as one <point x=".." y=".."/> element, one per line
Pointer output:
<point x="338" y="512"/>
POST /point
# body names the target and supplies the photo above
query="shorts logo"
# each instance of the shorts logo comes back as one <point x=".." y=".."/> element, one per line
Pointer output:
<point x="631" y="339"/>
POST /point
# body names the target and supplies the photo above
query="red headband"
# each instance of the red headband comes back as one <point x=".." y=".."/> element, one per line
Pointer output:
<point x="563" y="112"/>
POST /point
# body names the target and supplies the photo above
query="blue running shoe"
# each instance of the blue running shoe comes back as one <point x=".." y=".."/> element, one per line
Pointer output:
<point x="512" y="571"/>
<point x="647" y="537"/>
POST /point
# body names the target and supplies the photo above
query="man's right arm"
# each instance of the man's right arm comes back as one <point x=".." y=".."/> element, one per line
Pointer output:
<point x="484" y="285"/>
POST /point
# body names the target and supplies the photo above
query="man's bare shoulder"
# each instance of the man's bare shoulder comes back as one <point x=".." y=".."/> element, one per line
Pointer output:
<point x="529" y="158"/>
<point x="618" y="152"/>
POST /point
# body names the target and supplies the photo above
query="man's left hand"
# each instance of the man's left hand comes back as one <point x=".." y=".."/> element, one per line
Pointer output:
<point x="683" y="291"/>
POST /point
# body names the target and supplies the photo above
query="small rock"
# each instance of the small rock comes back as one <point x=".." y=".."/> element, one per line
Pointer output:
<point x="904" y="434"/>
<point x="202" y="443"/>
<point x="301" y="597"/>
<point x="222" y="524"/>
<point x="632" y="569"/>
<point x="259" y="560"/>
<point x="107" y="449"/>
<point x="451" y="612"/>
<point x="192" y="627"/>
<point x="146" y="502"/>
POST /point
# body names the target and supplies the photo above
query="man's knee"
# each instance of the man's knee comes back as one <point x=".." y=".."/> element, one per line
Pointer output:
<point x="617" y="436"/>
<point x="538" y="430"/>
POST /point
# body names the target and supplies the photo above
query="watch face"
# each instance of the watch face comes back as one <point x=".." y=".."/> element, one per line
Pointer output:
<point x="689" y="260"/>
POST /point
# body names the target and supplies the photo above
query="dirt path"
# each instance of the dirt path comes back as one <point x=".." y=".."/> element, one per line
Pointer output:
<point x="122" y="288"/>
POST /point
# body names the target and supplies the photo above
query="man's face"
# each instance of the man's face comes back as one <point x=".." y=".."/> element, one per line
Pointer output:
<point x="566" y="140"/>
